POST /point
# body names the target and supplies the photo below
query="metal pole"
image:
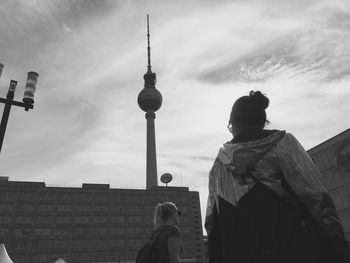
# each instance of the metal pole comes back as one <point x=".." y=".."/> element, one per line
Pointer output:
<point x="5" y="116"/>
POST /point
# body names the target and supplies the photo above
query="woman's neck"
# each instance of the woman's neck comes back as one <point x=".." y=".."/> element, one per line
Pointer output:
<point x="250" y="134"/>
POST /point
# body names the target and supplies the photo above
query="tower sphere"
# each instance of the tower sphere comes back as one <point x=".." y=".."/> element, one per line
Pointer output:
<point x="150" y="99"/>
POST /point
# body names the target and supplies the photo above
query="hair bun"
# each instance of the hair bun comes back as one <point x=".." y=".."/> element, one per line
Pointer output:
<point x="259" y="99"/>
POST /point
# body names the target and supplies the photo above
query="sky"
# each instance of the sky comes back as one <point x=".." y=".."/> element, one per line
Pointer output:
<point x="86" y="126"/>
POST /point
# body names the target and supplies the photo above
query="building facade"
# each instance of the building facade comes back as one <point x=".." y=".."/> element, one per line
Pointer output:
<point x="93" y="223"/>
<point x="332" y="157"/>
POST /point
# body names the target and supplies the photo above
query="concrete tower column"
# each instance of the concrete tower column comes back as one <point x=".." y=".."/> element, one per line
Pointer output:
<point x="151" y="165"/>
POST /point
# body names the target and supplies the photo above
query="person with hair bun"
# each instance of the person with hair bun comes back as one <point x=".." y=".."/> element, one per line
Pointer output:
<point x="267" y="202"/>
<point x="166" y="236"/>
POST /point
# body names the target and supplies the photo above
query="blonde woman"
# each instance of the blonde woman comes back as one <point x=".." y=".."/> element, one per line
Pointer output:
<point x="168" y="244"/>
<point x="165" y="245"/>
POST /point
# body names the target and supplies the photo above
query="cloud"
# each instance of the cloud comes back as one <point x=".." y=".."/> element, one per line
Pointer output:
<point x="86" y="125"/>
<point x="306" y="50"/>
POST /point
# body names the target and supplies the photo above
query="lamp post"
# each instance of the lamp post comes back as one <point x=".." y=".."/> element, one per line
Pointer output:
<point x="28" y="99"/>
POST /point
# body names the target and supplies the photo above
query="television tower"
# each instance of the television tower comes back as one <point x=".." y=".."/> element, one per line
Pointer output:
<point x="150" y="100"/>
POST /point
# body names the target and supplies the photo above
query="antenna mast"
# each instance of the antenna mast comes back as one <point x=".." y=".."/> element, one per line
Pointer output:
<point x="148" y="46"/>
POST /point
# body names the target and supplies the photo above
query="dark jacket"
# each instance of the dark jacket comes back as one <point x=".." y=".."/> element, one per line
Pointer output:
<point x="248" y="221"/>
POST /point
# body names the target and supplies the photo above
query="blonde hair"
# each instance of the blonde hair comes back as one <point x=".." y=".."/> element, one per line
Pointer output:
<point x="162" y="213"/>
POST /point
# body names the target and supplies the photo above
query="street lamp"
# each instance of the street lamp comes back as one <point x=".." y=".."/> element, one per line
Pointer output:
<point x="28" y="99"/>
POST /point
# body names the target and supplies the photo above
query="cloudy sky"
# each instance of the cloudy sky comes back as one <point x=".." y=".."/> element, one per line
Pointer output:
<point x="86" y="125"/>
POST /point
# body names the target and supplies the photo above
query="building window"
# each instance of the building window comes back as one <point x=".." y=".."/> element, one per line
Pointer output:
<point x="101" y="208"/>
<point x="80" y="256"/>
<point x="81" y="232"/>
<point x="175" y="198"/>
<point x="100" y="232"/>
<point x="83" y="208"/>
<point x="25" y="196"/>
<point x="100" y="219"/>
<point x="63" y="220"/>
<point x="186" y="230"/>
<point x="80" y="196"/>
<point x="22" y="220"/>
<point x="184" y="199"/>
<point x="131" y="231"/>
<point x="44" y="196"/>
<point x="184" y="209"/>
<point x="148" y="210"/>
<point x="135" y="231"/>
<point x="113" y="231"/>
<point x="135" y="243"/>
<point x="132" y="209"/>
<point x="139" y="230"/>
<point x="184" y="220"/>
<point x="4" y="232"/>
<point x="164" y="198"/>
<point x="116" y="197"/>
<point x="188" y="242"/>
<point x="118" y="209"/>
<point x="43" y="220"/>
<point x="150" y="199"/>
<point x="81" y="243"/>
<point x="131" y="219"/>
<point x="66" y="196"/>
<point x="118" y="219"/>
<point x="26" y="208"/>
<point x="8" y="196"/>
<point x="64" y="208"/>
<point x="19" y="257"/>
<point x="41" y="231"/>
<point x="135" y="199"/>
<point x="5" y="208"/>
<point x="97" y="255"/>
<point x="100" y="243"/>
<point x="39" y="257"/>
<point x="119" y="243"/>
<point x="117" y="231"/>
<point x="101" y="196"/>
<point x="21" y="232"/>
<point x="134" y="219"/>
<point x="4" y="196"/>
<point x="62" y="232"/>
<point x="21" y="243"/>
<point x="82" y="219"/>
<point x="45" y="208"/>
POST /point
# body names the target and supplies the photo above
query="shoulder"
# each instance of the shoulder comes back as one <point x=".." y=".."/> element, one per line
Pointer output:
<point x="172" y="231"/>
<point x="289" y="140"/>
<point x="289" y="148"/>
<point x="290" y="136"/>
<point x="215" y="165"/>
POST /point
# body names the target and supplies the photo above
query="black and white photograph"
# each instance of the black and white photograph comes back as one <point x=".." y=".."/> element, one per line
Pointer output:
<point x="162" y="131"/>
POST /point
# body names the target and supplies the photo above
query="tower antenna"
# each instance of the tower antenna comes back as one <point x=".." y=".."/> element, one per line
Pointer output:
<point x="148" y="46"/>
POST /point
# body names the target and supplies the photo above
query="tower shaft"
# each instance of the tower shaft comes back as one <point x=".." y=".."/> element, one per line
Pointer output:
<point x="151" y="165"/>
